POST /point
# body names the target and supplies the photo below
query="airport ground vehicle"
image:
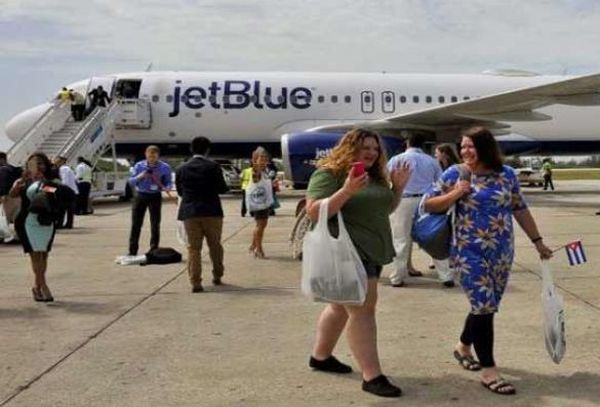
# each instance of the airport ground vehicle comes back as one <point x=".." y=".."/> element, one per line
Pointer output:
<point x="530" y="176"/>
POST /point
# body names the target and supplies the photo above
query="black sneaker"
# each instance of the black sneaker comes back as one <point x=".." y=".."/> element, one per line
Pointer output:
<point x="448" y="284"/>
<point x="381" y="386"/>
<point x="217" y="281"/>
<point x="331" y="365"/>
<point x="197" y="289"/>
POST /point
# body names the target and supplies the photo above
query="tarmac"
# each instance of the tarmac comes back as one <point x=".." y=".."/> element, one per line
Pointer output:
<point x="136" y="336"/>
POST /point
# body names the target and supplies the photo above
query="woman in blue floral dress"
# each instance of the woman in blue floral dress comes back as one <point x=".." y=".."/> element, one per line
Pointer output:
<point x="487" y="196"/>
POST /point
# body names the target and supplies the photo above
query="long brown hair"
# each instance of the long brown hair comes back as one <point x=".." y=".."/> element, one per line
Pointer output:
<point x="48" y="173"/>
<point x="348" y="148"/>
<point x="448" y="150"/>
<point x="488" y="150"/>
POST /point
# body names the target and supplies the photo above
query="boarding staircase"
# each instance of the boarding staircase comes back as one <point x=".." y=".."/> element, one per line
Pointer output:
<point x="56" y="133"/>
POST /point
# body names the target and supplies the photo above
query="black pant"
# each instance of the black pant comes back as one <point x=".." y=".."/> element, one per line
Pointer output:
<point x="83" y="198"/>
<point x="142" y="201"/>
<point x="548" y="181"/>
<point x="69" y="212"/>
<point x="78" y="112"/>
<point x="244" y="210"/>
<point x="479" y="332"/>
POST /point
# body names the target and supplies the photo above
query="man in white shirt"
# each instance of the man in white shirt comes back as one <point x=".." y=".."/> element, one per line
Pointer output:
<point x="425" y="170"/>
<point x="84" y="183"/>
<point x="67" y="178"/>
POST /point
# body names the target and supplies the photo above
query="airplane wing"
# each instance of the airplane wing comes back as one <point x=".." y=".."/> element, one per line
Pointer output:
<point x="490" y="111"/>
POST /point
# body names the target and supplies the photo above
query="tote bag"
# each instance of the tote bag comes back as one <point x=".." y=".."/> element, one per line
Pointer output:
<point x="259" y="195"/>
<point x="554" y="317"/>
<point x="433" y="231"/>
<point x="332" y="270"/>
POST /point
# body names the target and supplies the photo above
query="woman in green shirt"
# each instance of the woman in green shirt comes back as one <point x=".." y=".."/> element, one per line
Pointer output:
<point x="366" y="202"/>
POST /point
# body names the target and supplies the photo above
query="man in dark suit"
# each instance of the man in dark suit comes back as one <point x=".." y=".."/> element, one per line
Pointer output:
<point x="199" y="182"/>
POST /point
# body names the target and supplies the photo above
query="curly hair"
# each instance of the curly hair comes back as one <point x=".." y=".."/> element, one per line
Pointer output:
<point x="346" y="151"/>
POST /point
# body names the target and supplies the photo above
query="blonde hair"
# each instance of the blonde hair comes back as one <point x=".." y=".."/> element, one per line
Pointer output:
<point x="346" y="151"/>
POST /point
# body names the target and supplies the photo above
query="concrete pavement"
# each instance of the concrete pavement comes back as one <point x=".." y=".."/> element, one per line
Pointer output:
<point x="136" y="336"/>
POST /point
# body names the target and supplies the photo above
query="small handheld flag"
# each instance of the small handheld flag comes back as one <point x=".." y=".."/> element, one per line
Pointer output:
<point x="575" y="253"/>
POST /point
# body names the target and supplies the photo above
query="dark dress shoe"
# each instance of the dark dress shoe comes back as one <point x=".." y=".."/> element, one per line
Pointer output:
<point x="198" y="289"/>
<point x="400" y="284"/>
<point x="331" y="365"/>
<point x="381" y="386"/>
<point x="217" y="281"/>
<point x="415" y="273"/>
<point x="449" y="284"/>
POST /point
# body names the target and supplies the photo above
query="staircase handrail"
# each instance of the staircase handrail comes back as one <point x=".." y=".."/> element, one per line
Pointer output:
<point x="27" y="141"/>
<point x="99" y="117"/>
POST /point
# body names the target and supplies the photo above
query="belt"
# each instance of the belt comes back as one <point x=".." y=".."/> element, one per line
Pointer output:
<point x="412" y="195"/>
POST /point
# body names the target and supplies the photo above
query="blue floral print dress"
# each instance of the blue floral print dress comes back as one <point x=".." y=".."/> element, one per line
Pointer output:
<point x="483" y="246"/>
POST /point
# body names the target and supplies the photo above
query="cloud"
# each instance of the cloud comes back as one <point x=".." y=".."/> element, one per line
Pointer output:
<point x="61" y="40"/>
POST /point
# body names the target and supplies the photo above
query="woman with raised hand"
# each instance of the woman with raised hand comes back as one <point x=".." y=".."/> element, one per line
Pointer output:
<point x="365" y="200"/>
<point x="487" y="196"/>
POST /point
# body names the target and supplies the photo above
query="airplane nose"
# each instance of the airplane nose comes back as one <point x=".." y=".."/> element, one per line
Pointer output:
<point x="16" y="127"/>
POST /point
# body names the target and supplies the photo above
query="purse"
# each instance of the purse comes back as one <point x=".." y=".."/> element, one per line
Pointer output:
<point x="433" y="232"/>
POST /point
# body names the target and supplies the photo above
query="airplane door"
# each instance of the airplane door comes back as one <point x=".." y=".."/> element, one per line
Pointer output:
<point x="388" y="102"/>
<point x="134" y="112"/>
<point x="367" y="101"/>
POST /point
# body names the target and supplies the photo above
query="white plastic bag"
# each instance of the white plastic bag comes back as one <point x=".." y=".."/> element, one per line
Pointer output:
<point x="259" y="195"/>
<point x="5" y="232"/>
<point x="180" y="228"/>
<point x="332" y="270"/>
<point x="131" y="260"/>
<point x="554" y="317"/>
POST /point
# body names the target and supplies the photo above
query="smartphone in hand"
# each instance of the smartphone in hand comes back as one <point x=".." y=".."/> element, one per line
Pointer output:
<point x="359" y="168"/>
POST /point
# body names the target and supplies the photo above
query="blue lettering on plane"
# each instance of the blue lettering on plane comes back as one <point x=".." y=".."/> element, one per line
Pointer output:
<point x="239" y="95"/>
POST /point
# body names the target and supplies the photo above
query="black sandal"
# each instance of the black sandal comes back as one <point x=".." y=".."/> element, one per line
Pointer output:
<point x="497" y="386"/>
<point x="467" y="362"/>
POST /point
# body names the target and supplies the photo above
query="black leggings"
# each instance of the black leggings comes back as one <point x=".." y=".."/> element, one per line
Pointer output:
<point x="479" y="332"/>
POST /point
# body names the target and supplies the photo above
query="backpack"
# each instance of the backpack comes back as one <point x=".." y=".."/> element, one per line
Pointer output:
<point x="163" y="255"/>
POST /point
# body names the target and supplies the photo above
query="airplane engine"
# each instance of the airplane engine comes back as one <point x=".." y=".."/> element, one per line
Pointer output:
<point x="301" y="151"/>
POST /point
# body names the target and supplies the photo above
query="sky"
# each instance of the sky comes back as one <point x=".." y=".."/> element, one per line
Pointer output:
<point x="45" y="45"/>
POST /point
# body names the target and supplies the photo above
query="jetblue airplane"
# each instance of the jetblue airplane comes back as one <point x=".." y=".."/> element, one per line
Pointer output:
<point x="302" y="115"/>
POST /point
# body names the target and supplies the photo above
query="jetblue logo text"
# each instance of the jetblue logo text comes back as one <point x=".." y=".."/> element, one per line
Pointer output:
<point x="240" y="95"/>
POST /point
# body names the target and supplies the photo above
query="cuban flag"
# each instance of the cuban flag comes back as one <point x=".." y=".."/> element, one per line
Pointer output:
<point x="575" y="253"/>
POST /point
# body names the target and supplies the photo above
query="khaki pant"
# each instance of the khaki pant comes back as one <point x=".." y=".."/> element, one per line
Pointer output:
<point x="197" y="229"/>
<point x="401" y="221"/>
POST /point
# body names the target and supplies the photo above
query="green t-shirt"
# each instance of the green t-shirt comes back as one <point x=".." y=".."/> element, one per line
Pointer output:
<point x="366" y="215"/>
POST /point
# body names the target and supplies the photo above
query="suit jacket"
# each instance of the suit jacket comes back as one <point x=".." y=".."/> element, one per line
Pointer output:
<point x="199" y="182"/>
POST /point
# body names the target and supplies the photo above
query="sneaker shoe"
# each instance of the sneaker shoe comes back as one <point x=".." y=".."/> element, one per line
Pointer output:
<point x="381" y="386"/>
<point x="448" y="284"/>
<point x="197" y="289"/>
<point x="331" y="365"/>
<point x="217" y="281"/>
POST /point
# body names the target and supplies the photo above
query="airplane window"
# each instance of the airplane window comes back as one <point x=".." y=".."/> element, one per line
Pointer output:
<point x="402" y="99"/>
<point x="428" y="99"/>
<point x="240" y="98"/>
<point x="184" y="99"/>
<point x="321" y="99"/>
<point x="415" y="99"/>
<point x="155" y="98"/>
<point x="442" y="99"/>
<point x="212" y="99"/>
<point x="280" y="99"/>
<point x="169" y="98"/>
<point x="367" y="99"/>
<point x="454" y="99"/>
<point x="268" y="98"/>
<point x="198" y="98"/>
<point x="253" y="99"/>
<point x="347" y="99"/>
<point x="466" y="98"/>
<point x="334" y="99"/>
<point x="388" y="99"/>
<point x="226" y="99"/>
